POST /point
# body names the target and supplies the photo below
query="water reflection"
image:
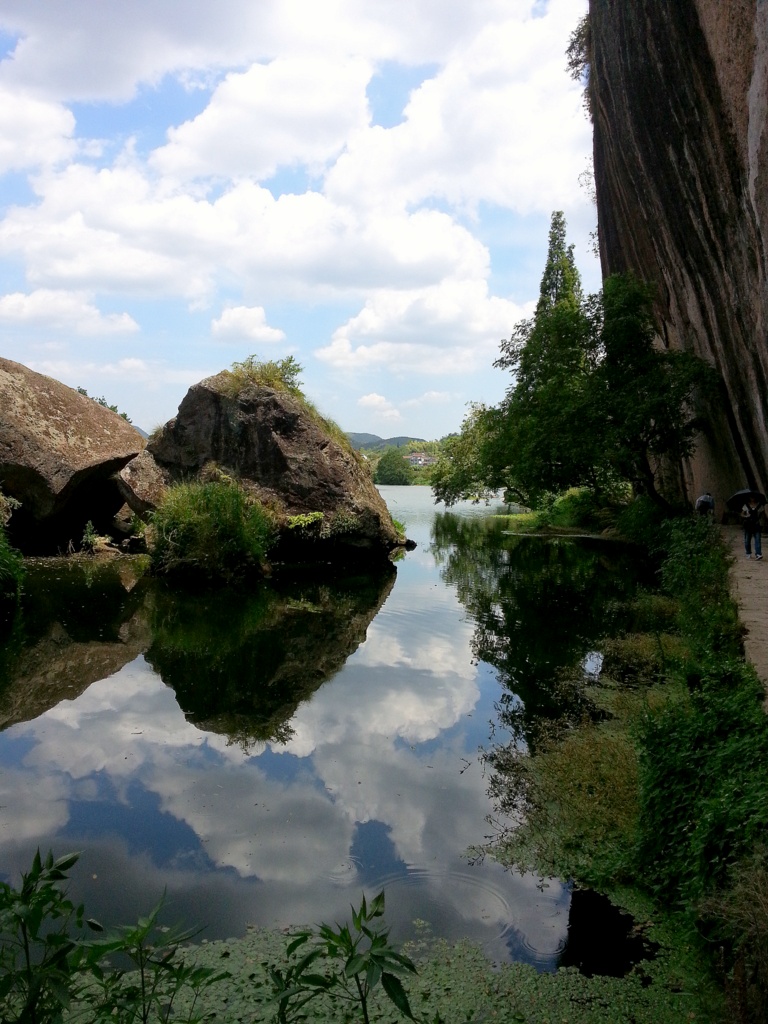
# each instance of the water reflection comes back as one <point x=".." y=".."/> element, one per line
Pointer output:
<point x="538" y="604"/>
<point x="240" y="663"/>
<point x="264" y="755"/>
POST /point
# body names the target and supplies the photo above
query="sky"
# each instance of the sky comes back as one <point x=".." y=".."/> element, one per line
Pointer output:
<point x="365" y="185"/>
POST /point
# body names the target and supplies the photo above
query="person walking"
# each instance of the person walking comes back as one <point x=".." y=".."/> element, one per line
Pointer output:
<point x="751" y="514"/>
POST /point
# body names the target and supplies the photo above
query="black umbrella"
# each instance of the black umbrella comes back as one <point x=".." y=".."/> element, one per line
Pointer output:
<point x="740" y="498"/>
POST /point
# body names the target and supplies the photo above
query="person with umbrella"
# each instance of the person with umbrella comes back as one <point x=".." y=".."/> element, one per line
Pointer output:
<point x="751" y="514"/>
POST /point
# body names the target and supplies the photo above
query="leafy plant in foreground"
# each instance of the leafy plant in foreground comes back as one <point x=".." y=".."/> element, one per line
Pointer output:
<point x="49" y="967"/>
<point x="39" y="957"/>
<point x="149" y="990"/>
<point x="367" y="957"/>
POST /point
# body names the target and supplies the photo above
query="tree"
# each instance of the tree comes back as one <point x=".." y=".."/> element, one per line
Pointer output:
<point x="650" y="398"/>
<point x="464" y="468"/>
<point x="393" y="468"/>
<point x="547" y="423"/>
<point x="594" y="402"/>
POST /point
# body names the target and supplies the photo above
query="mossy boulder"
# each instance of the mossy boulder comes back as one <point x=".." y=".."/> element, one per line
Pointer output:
<point x="276" y="446"/>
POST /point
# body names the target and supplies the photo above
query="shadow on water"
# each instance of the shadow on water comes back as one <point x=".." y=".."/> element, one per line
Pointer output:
<point x="601" y="938"/>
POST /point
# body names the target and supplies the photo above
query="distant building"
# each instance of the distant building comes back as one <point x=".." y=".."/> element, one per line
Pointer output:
<point x="420" y="459"/>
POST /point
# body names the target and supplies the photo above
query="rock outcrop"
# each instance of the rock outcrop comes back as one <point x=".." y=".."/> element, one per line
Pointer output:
<point x="679" y="94"/>
<point x="59" y="456"/>
<point x="283" y="453"/>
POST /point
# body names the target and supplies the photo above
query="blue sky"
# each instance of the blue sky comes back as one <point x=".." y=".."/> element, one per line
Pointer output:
<point x="363" y="184"/>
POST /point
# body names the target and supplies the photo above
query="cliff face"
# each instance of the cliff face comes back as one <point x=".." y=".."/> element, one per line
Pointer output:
<point x="680" y="103"/>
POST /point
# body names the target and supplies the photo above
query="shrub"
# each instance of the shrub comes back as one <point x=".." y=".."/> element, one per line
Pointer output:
<point x="11" y="571"/>
<point x="280" y="374"/>
<point x="212" y="529"/>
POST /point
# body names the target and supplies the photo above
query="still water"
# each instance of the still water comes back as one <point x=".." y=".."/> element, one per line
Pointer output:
<point x="264" y="756"/>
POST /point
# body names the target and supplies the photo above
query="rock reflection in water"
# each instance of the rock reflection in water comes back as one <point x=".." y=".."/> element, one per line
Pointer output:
<point x="241" y="662"/>
<point x="81" y="620"/>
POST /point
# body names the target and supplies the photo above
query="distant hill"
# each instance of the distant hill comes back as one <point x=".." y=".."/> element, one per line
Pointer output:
<point x="372" y="442"/>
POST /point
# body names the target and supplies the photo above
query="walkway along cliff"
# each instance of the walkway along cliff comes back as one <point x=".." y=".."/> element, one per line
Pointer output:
<point x="679" y="98"/>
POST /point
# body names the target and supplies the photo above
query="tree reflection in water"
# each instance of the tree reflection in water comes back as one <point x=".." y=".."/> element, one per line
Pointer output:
<point x="540" y="607"/>
<point x="539" y="604"/>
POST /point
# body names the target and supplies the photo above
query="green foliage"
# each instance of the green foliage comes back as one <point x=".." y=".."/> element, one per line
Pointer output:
<point x="360" y="958"/>
<point x="467" y="466"/>
<point x="8" y="506"/>
<point x="305" y="520"/>
<point x="393" y="468"/>
<point x="281" y="374"/>
<point x="49" y="966"/>
<point x="740" y="912"/>
<point x="560" y="282"/>
<point x="704" y="757"/>
<point x="11" y="571"/>
<point x="649" y="397"/>
<point x="579" y="58"/>
<point x="212" y="529"/>
<point x="90" y="538"/>
<point x="150" y="989"/>
<point x="104" y="403"/>
<point x="39" y="958"/>
<point x="593" y="402"/>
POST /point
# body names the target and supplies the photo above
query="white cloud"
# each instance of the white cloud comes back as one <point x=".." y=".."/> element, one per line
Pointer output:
<point x="245" y="323"/>
<point x="58" y="310"/>
<point x="128" y="44"/>
<point x="449" y="329"/>
<point x="496" y="124"/>
<point x="385" y="249"/>
<point x="33" y="132"/>
<point x="293" y="111"/>
<point x="379" y="407"/>
<point x="429" y="398"/>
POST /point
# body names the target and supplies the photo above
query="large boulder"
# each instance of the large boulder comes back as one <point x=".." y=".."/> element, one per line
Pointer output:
<point x="59" y="456"/>
<point x="283" y="453"/>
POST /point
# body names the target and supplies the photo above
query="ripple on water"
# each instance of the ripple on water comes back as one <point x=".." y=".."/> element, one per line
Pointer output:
<point x="492" y="908"/>
<point x="346" y="872"/>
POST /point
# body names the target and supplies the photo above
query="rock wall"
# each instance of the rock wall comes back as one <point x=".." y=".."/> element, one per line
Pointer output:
<point x="679" y="94"/>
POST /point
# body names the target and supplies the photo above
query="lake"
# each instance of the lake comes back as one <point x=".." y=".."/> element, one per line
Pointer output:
<point x="264" y="755"/>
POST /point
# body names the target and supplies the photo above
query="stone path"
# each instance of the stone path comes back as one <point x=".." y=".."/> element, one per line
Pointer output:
<point x="749" y="584"/>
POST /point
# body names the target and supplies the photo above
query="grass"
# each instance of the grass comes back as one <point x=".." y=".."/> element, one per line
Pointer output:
<point x="211" y="529"/>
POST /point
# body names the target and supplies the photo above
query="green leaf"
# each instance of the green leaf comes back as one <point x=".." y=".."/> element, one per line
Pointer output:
<point x="394" y="989"/>
<point x="67" y="861"/>
<point x="377" y="907"/>
<point x="354" y="965"/>
<point x="299" y="940"/>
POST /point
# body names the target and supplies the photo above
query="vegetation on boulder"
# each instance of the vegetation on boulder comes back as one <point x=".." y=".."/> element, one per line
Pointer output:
<point x="214" y="529"/>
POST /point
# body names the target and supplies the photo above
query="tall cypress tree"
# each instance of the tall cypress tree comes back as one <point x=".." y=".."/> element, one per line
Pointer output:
<point x="561" y="281"/>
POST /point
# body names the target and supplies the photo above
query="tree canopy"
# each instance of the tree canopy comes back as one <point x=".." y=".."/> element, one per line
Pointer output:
<point x="593" y="401"/>
<point x="393" y="468"/>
